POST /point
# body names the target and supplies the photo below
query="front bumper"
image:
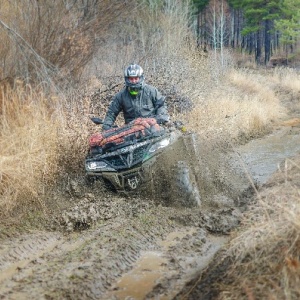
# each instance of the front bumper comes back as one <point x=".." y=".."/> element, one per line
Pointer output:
<point x="130" y="179"/>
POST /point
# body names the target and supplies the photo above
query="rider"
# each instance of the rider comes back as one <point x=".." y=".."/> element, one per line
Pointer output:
<point x="136" y="100"/>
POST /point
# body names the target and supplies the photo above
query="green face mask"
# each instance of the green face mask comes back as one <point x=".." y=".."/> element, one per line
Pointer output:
<point x="133" y="92"/>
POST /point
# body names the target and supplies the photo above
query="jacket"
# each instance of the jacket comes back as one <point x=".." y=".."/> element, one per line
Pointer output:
<point x="148" y="103"/>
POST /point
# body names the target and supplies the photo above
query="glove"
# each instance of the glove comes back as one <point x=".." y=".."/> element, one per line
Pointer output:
<point x="162" y="119"/>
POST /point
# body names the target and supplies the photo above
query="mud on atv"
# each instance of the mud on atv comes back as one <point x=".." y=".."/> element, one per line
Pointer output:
<point x="144" y="157"/>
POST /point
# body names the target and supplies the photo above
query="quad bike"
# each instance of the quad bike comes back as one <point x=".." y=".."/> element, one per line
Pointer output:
<point x="144" y="157"/>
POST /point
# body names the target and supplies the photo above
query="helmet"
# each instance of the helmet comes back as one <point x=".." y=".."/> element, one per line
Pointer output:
<point x="134" y="70"/>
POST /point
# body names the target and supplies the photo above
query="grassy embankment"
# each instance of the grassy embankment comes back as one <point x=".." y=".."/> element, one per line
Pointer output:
<point x="265" y="251"/>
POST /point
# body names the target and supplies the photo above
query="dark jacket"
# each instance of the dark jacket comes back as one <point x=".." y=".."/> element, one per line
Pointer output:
<point x="148" y="103"/>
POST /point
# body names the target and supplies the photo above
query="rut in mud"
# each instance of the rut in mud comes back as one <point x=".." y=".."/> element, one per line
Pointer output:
<point x="104" y="246"/>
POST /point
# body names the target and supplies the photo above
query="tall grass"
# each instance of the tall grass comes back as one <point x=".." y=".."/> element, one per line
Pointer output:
<point x="242" y="104"/>
<point x="290" y="79"/>
<point x="28" y="146"/>
<point x="43" y="143"/>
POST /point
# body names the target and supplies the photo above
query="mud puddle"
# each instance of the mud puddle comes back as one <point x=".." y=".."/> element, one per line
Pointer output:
<point x="262" y="157"/>
<point x="154" y="275"/>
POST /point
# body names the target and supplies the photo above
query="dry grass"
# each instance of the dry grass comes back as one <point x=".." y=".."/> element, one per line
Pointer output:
<point x="43" y="142"/>
<point x="28" y="146"/>
<point x="243" y="103"/>
<point x="253" y="84"/>
<point x="289" y="79"/>
<point x="266" y="253"/>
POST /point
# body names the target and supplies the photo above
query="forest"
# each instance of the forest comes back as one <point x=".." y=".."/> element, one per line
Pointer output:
<point x="261" y="28"/>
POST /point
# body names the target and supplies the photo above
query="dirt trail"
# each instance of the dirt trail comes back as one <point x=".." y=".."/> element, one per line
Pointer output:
<point x="126" y="248"/>
<point x="104" y="246"/>
<point x="88" y="265"/>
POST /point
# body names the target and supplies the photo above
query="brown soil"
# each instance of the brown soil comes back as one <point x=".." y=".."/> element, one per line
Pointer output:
<point x="94" y="244"/>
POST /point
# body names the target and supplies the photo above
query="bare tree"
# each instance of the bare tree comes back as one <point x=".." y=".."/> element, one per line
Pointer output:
<point x="218" y="18"/>
<point x="46" y="38"/>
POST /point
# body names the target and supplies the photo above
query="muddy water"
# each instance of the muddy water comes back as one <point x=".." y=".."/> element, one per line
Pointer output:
<point x="261" y="158"/>
<point x="153" y="268"/>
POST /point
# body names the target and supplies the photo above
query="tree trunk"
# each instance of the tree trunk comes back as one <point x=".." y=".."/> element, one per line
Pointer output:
<point x="267" y="41"/>
<point x="258" y="47"/>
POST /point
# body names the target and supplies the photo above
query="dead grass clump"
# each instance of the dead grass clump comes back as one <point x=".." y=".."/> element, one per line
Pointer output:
<point x="266" y="254"/>
<point x="244" y="60"/>
<point x="28" y="146"/>
<point x="287" y="78"/>
<point x="244" y="106"/>
<point x="253" y="84"/>
<point x="44" y="141"/>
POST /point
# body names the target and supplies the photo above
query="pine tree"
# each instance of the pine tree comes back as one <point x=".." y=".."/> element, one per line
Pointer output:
<point x="259" y="16"/>
<point x="289" y="24"/>
<point x="199" y="6"/>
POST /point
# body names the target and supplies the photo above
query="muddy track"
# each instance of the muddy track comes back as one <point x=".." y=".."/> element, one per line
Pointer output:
<point x="125" y="244"/>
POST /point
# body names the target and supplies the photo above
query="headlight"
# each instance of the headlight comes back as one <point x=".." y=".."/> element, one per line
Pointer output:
<point x="161" y="144"/>
<point x="98" y="166"/>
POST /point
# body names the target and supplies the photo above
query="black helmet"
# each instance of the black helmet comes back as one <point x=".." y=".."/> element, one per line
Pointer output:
<point x="134" y="70"/>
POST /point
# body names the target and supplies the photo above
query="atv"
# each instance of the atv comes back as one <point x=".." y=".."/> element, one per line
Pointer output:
<point x="143" y="156"/>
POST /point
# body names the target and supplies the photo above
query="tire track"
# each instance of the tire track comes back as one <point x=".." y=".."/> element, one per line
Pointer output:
<point x="19" y="252"/>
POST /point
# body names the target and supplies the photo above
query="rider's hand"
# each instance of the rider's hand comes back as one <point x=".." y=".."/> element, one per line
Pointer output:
<point x="162" y="119"/>
<point x="167" y="124"/>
